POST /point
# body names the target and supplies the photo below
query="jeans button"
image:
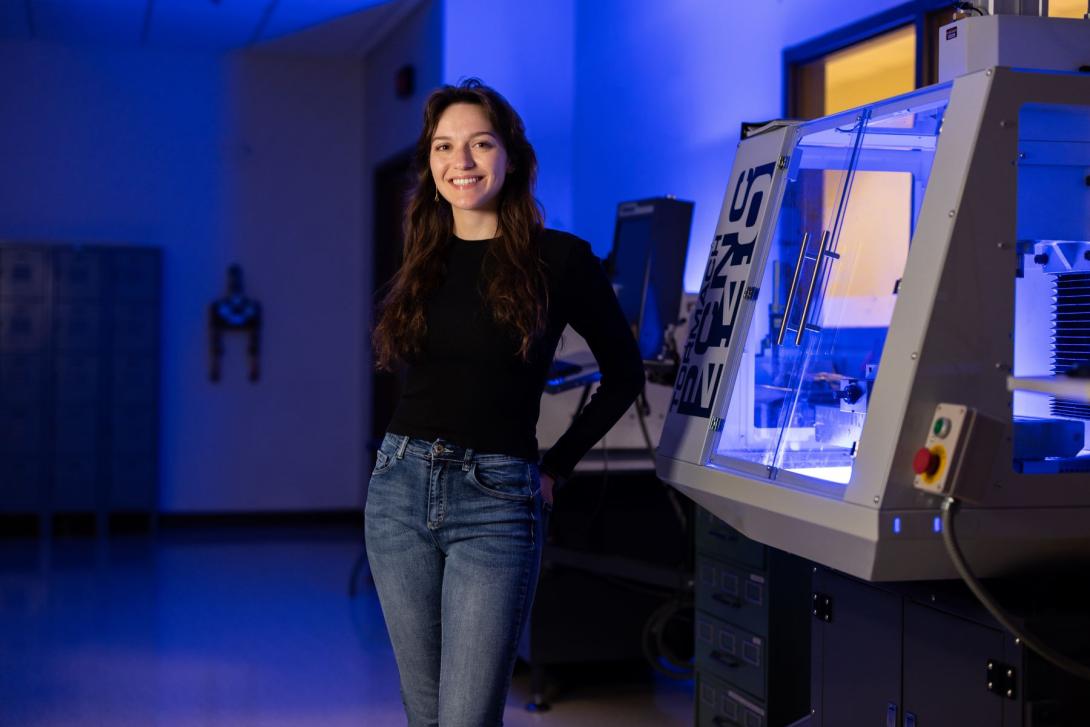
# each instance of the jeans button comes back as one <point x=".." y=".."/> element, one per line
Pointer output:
<point x="436" y="448"/>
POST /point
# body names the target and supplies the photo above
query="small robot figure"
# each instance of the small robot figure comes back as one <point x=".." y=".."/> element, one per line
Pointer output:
<point x="234" y="312"/>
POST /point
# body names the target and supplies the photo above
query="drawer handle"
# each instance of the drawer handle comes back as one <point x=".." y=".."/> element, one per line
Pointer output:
<point x="726" y="660"/>
<point x="727" y="600"/>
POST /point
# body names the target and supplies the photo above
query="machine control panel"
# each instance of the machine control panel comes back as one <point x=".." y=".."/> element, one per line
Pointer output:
<point x="945" y="440"/>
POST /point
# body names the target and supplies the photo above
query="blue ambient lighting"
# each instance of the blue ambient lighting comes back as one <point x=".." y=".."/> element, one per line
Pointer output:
<point x="936" y="524"/>
<point x="896" y="525"/>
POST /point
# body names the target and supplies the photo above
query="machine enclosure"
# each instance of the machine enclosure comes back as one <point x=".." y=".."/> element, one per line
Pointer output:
<point x="950" y="339"/>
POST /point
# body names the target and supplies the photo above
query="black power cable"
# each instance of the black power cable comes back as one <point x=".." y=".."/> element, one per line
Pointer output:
<point x="949" y="538"/>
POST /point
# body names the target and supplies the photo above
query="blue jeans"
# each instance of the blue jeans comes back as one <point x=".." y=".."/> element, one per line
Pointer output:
<point x="454" y="543"/>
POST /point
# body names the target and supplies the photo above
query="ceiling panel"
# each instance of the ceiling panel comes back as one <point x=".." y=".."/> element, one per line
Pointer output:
<point x="331" y="26"/>
<point x="207" y="24"/>
<point x="291" y="16"/>
<point x="111" y="22"/>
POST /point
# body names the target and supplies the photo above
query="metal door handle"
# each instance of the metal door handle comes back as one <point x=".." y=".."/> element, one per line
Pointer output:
<point x="727" y="600"/>
<point x="794" y="287"/>
<point x="813" y="284"/>
<point x="726" y="660"/>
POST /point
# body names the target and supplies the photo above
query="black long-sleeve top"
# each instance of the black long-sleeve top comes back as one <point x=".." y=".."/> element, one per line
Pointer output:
<point x="471" y="388"/>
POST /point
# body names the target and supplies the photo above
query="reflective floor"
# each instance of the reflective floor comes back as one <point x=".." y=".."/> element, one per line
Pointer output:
<point x="230" y="628"/>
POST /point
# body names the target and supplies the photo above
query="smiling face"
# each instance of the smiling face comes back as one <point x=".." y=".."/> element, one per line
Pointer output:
<point x="468" y="161"/>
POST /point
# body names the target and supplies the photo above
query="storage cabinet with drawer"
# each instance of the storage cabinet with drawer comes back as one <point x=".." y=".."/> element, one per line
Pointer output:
<point x="752" y="630"/>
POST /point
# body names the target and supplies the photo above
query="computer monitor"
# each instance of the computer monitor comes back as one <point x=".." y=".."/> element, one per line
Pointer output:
<point x="647" y="265"/>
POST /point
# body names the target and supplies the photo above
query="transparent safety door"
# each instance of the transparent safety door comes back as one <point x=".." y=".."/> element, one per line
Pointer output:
<point x="809" y="366"/>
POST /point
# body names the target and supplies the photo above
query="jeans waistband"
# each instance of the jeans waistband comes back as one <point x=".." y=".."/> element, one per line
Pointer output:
<point x="441" y="449"/>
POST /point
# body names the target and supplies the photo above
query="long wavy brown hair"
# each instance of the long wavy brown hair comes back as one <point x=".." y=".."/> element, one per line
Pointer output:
<point x="514" y="287"/>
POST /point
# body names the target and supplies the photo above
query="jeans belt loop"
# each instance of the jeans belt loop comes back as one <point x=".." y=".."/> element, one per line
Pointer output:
<point x="401" y="447"/>
<point x="468" y="461"/>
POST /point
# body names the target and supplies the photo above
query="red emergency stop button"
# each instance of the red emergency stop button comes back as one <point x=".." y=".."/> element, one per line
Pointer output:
<point x="925" y="462"/>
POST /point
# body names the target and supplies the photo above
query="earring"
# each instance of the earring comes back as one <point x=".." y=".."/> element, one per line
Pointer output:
<point x="436" y="194"/>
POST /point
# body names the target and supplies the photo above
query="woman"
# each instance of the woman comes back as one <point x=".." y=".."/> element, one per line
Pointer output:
<point x="454" y="516"/>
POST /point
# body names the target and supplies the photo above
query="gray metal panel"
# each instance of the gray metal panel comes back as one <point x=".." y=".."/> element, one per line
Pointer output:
<point x="863" y="639"/>
<point x="975" y="43"/>
<point x="955" y="694"/>
<point x="715" y="538"/>
<point x="966" y="346"/>
<point x="895" y="388"/>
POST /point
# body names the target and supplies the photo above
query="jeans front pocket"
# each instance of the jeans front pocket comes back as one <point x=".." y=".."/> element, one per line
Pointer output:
<point x="507" y="479"/>
<point x="383" y="462"/>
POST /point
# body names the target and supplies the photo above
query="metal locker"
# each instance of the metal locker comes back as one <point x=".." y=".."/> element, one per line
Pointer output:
<point x="24" y="272"/>
<point x="77" y="326"/>
<point x="78" y="378"/>
<point x="23" y="326"/>
<point x="77" y="273"/>
<point x="135" y="274"/>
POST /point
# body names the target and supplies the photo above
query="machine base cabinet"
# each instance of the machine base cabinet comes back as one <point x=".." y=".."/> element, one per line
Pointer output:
<point x="925" y="654"/>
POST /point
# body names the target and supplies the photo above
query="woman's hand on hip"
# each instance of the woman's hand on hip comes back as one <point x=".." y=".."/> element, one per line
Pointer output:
<point x="547" y="485"/>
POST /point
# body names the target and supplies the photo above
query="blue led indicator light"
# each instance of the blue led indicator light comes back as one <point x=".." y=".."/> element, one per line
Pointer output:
<point x="936" y="524"/>
<point x="896" y="524"/>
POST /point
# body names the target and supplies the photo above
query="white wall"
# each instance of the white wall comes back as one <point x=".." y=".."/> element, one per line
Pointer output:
<point x="660" y="93"/>
<point x="391" y="126"/>
<point x="526" y="51"/>
<point x="216" y="160"/>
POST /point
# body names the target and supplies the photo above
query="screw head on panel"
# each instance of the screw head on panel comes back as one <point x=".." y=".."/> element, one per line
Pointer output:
<point x="914" y="356"/>
<point x="876" y="499"/>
